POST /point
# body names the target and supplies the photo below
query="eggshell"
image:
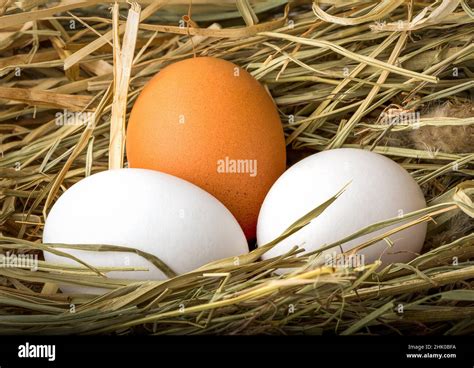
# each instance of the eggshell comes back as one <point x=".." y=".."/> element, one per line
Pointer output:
<point x="380" y="190"/>
<point x="201" y="118"/>
<point x="157" y="213"/>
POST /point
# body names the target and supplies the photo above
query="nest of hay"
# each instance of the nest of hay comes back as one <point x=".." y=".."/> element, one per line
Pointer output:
<point x="335" y="69"/>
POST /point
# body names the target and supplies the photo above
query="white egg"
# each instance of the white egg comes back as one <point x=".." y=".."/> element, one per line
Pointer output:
<point x="380" y="190"/>
<point x="157" y="213"/>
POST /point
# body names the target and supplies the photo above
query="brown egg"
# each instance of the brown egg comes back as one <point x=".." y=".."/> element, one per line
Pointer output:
<point x="210" y="122"/>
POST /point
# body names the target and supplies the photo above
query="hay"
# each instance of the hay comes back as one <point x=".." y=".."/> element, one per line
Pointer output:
<point x="334" y="69"/>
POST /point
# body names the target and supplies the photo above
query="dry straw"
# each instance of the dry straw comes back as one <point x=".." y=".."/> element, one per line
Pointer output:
<point x="336" y="70"/>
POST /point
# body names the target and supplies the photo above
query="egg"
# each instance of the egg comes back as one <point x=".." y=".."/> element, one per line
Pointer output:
<point x="157" y="213"/>
<point x="379" y="189"/>
<point x="208" y="121"/>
